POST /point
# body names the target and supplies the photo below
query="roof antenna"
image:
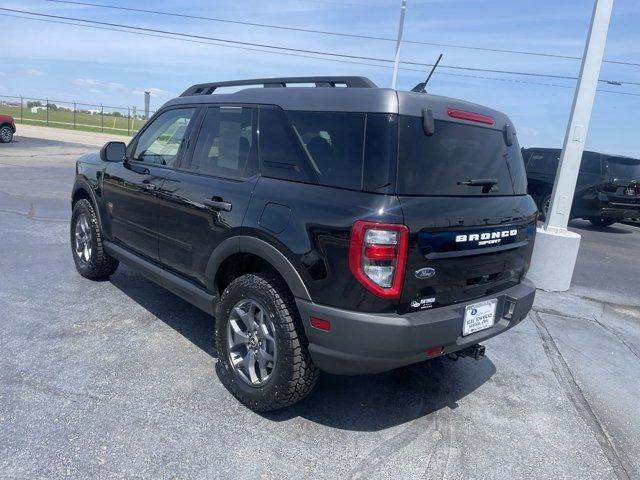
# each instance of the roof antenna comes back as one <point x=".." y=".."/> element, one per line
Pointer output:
<point x="420" y="88"/>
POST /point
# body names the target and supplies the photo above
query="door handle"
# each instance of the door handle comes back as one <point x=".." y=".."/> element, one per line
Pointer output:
<point x="218" y="205"/>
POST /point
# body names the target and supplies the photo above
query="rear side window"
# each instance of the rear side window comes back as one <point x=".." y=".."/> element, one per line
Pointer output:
<point x="226" y="145"/>
<point x="333" y="143"/>
<point x="543" y="162"/>
<point x="434" y="165"/>
<point x="280" y="154"/>
<point x="348" y="150"/>
<point x="590" y="163"/>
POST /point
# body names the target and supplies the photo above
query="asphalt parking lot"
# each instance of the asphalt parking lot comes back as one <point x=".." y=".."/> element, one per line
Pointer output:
<point x="118" y="378"/>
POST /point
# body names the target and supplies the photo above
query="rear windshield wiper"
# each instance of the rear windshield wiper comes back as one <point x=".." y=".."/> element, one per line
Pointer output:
<point x="487" y="184"/>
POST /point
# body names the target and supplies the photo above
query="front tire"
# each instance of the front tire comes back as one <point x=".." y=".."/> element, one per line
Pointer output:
<point x="262" y="350"/>
<point x="86" y="243"/>
<point x="6" y="134"/>
<point x="601" y="222"/>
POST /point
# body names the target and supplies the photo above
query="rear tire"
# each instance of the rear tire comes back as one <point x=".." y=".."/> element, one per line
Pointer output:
<point x="601" y="222"/>
<point x="290" y="375"/>
<point x="86" y="243"/>
<point x="6" y="134"/>
<point x="543" y="206"/>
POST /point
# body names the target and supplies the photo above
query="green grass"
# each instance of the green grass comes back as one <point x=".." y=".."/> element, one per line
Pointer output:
<point x="83" y="121"/>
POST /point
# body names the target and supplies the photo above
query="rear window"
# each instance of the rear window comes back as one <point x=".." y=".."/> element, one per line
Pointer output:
<point x="628" y="168"/>
<point x="433" y="165"/>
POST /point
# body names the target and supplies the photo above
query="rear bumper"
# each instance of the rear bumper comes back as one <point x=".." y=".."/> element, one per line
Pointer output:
<point x="360" y="343"/>
<point x="619" y="211"/>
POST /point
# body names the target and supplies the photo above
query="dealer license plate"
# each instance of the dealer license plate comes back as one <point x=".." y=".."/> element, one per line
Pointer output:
<point x="479" y="316"/>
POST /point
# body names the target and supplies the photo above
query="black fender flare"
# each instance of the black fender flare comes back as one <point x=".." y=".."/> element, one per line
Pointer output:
<point x="262" y="249"/>
<point x="82" y="183"/>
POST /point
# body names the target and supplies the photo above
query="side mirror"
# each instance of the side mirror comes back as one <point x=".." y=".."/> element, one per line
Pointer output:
<point x="113" y="152"/>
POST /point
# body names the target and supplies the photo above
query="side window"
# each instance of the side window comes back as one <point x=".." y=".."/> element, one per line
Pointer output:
<point x="590" y="163"/>
<point x="280" y="154"/>
<point x="543" y="162"/>
<point x="160" y="142"/>
<point x="226" y="145"/>
<point x="334" y="145"/>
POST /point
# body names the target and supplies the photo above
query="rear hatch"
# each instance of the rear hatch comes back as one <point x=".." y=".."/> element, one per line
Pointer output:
<point x="469" y="237"/>
<point x="623" y="185"/>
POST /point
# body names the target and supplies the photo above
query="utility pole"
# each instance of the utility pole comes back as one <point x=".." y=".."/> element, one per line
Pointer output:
<point x="556" y="248"/>
<point x="147" y="101"/>
<point x="396" y="61"/>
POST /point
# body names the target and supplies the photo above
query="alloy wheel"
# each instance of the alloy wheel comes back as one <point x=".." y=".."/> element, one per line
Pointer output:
<point x="251" y="342"/>
<point x="5" y="134"/>
<point x="83" y="238"/>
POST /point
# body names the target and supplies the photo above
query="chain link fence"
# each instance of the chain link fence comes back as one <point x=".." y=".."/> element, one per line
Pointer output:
<point x="74" y="116"/>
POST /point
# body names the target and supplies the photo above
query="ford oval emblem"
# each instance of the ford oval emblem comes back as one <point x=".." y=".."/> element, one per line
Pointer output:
<point x="425" y="273"/>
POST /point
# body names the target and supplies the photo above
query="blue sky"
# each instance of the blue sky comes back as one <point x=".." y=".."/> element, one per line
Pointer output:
<point x="94" y="66"/>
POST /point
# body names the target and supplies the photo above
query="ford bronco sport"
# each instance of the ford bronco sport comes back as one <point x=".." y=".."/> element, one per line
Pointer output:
<point x="607" y="189"/>
<point x="338" y="227"/>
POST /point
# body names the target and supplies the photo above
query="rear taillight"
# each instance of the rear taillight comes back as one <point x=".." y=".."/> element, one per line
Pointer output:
<point x="378" y="256"/>
<point x="470" y="116"/>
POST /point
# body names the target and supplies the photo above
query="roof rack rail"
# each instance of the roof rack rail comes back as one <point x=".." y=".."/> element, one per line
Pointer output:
<point x="351" y="82"/>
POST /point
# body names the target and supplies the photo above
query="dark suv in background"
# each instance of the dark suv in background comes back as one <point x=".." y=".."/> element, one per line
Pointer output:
<point x="607" y="190"/>
<point x="338" y="227"/>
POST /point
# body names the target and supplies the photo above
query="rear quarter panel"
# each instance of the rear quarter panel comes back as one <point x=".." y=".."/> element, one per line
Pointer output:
<point x="315" y="237"/>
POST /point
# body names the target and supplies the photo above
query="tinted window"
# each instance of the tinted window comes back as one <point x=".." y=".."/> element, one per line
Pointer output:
<point x="333" y="144"/>
<point x="380" y="152"/>
<point x="160" y="142"/>
<point x="433" y="165"/>
<point x="590" y="163"/>
<point x="226" y="143"/>
<point x="543" y="161"/>
<point x="280" y="154"/>
<point x="621" y="167"/>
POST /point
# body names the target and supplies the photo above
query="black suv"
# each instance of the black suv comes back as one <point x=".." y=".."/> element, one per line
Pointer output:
<point x="338" y="226"/>
<point x="607" y="190"/>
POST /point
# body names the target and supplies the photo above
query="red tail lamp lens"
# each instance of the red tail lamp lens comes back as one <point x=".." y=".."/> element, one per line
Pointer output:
<point x="470" y="116"/>
<point x="378" y="256"/>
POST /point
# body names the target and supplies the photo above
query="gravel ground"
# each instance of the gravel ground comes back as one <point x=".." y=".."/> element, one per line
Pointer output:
<point x="118" y="378"/>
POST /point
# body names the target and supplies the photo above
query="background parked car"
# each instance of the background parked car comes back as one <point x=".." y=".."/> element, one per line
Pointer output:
<point x="7" y="128"/>
<point x="607" y="190"/>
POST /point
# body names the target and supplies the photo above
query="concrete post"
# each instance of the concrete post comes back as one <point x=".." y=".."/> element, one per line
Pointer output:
<point x="556" y="248"/>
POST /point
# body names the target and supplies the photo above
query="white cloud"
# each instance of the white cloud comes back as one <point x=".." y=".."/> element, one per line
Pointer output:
<point x="34" y="72"/>
<point x="92" y="82"/>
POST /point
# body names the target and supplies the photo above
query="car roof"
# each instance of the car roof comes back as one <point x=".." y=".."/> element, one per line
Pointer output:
<point x="364" y="97"/>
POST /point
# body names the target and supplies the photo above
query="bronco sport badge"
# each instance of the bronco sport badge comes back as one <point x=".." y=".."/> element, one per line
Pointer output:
<point x="487" y="238"/>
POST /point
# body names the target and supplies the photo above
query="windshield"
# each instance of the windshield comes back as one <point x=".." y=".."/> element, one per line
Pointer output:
<point x="620" y="167"/>
<point x="444" y="163"/>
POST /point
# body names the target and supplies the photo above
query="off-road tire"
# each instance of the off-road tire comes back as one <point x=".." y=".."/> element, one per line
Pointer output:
<point x="601" y="222"/>
<point x="6" y="134"/>
<point x="294" y="375"/>
<point x="543" y="206"/>
<point x="100" y="265"/>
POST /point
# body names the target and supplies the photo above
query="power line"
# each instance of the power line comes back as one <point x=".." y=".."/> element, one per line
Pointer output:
<point x="351" y="62"/>
<point x="336" y="34"/>
<point x="306" y="51"/>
